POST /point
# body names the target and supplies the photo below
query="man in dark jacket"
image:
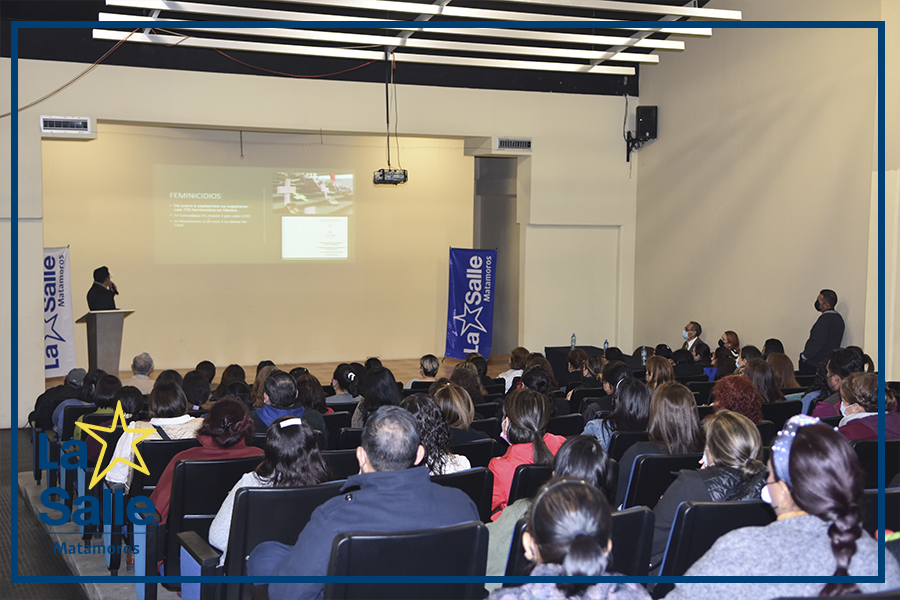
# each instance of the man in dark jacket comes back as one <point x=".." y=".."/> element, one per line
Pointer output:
<point x="280" y="400"/>
<point x="46" y="403"/>
<point x="102" y="295"/>
<point x="826" y="334"/>
<point x="393" y="495"/>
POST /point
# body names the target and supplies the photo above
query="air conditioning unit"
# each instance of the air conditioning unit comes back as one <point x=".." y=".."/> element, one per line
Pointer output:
<point x="499" y="145"/>
<point x="68" y="128"/>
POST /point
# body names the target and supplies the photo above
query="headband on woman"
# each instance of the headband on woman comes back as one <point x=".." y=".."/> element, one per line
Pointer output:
<point x="781" y="449"/>
<point x="291" y="422"/>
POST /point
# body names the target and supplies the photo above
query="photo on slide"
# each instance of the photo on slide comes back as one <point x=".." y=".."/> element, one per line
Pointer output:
<point x="312" y="193"/>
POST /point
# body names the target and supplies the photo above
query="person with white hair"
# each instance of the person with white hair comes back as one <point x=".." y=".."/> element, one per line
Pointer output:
<point x="141" y="367"/>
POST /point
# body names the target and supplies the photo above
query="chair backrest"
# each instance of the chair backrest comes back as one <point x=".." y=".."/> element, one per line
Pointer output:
<point x="698" y="525"/>
<point x="620" y="441"/>
<point x="349" y="438"/>
<point x="334" y="422"/>
<point x="527" y="480"/>
<point x="479" y="452"/>
<point x="891" y="510"/>
<point x="156" y="455"/>
<point x="269" y="514"/>
<point x="459" y="550"/>
<point x="805" y="380"/>
<point x="343" y="463"/>
<point x="566" y="425"/>
<point x="767" y="431"/>
<point x="867" y="452"/>
<point x="421" y="386"/>
<point x="70" y="415"/>
<point x="488" y="409"/>
<point x="704" y="411"/>
<point x="792" y="390"/>
<point x="496" y="388"/>
<point x="489" y="426"/>
<point x="632" y="538"/>
<point x="686" y="379"/>
<point x="652" y="474"/>
<point x="702" y="389"/>
<point x="344" y="406"/>
<point x="780" y="412"/>
<point x="198" y="489"/>
<point x="478" y="484"/>
<point x="579" y="394"/>
<point x="259" y="440"/>
<point x="516" y="564"/>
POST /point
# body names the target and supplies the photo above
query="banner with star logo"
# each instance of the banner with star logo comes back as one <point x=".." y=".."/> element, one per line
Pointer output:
<point x="470" y="304"/>
<point x="59" y="327"/>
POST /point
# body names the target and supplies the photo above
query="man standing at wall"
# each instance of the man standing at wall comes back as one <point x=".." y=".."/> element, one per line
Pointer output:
<point x="102" y="295"/>
<point x="826" y="334"/>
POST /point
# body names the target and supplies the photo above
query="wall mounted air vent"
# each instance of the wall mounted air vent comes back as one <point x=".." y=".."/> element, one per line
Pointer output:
<point x="510" y="143"/>
<point x="67" y="127"/>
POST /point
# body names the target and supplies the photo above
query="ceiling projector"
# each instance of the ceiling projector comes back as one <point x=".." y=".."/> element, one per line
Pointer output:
<point x="390" y="177"/>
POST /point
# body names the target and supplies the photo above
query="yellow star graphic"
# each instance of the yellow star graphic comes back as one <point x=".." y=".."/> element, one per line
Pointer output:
<point x="118" y="417"/>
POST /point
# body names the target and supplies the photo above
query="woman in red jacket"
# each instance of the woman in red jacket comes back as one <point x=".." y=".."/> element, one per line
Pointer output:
<point x="525" y="420"/>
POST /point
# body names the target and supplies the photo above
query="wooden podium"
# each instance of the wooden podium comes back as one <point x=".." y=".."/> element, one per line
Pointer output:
<point x="104" y="331"/>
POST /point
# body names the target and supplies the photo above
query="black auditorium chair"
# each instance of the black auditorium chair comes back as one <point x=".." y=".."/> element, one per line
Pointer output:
<point x="334" y="422"/>
<point x="867" y="452"/>
<point x="527" y="480"/>
<point x="891" y="510"/>
<point x="686" y="379"/>
<point x="456" y="551"/>
<point x="479" y="452"/>
<point x="566" y="425"/>
<point x="343" y="463"/>
<point x="620" y="441"/>
<point x="478" y="484"/>
<point x="698" y="525"/>
<point x="704" y="411"/>
<point x="652" y="474"/>
<point x="581" y="396"/>
<point x="767" y="431"/>
<point x="489" y="426"/>
<point x="516" y="564"/>
<point x="780" y="412"/>
<point x="259" y="440"/>
<point x="421" y="386"/>
<point x="259" y="515"/>
<point x="67" y="477"/>
<point x="702" y="390"/>
<point x="832" y="421"/>
<point x="344" y="406"/>
<point x="488" y="409"/>
<point x="496" y="388"/>
<point x="349" y="438"/>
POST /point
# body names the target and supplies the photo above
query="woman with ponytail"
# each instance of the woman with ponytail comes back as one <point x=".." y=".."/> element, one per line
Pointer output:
<point x="569" y="528"/>
<point x="526" y="414"/>
<point x="815" y="486"/>
<point x="346" y="385"/>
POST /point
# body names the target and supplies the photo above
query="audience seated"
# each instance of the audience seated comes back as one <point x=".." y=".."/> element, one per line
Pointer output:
<point x="536" y="358"/>
<point x="526" y="416"/>
<point x="762" y="377"/>
<point x="141" y="367"/>
<point x="859" y="405"/>
<point x="537" y="378"/>
<point x="516" y="365"/>
<point x="132" y="405"/>
<point x="782" y="370"/>
<point x="231" y="373"/>
<point x="737" y="393"/>
<point x="613" y="373"/>
<point x="225" y="433"/>
<point x="458" y="411"/>
<point x="580" y="457"/>
<point x="428" y="368"/>
<point x="674" y="428"/>
<point x="345" y="382"/>
<point x="731" y="342"/>
<point x="723" y="363"/>
<point x="466" y="375"/>
<point x="196" y="390"/>
<point x="42" y="415"/>
<point x="241" y="391"/>
<point x="815" y="486"/>
<point x="207" y="368"/>
<point x="379" y="389"/>
<point x="103" y="399"/>
<point x="730" y="470"/>
<point x="373" y="362"/>
<point x="747" y="353"/>
<point x="434" y="435"/>
<point x="772" y="345"/>
<point x="575" y="366"/>
<point x="393" y="495"/>
<point x="631" y="412"/>
<point x="169" y="376"/>
<point x="659" y="371"/>
<point x="685" y="366"/>
<point x="168" y="415"/>
<point x="839" y="366"/>
<point x="569" y="534"/>
<point x="85" y="396"/>
<point x="311" y="397"/>
<point x="481" y="366"/>
<point x="259" y="386"/>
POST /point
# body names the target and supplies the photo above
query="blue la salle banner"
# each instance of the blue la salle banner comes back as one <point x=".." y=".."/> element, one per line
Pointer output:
<point x="470" y="303"/>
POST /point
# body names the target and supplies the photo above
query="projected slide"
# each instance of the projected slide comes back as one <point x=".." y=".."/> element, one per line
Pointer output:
<point x="251" y="214"/>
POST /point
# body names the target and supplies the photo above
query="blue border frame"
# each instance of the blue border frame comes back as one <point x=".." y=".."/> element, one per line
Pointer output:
<point x="14" y="329"/>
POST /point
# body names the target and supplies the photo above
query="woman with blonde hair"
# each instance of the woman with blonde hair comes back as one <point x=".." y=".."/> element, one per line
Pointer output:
<point x="458" y="411"/>
<point x="783" y="370"/>
<point x="428" y="368"/>
<point x="659" y="371"/>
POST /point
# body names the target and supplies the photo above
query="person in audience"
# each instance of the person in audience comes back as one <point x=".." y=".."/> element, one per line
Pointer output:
<point x="568" y="534"/>
<point x="169" y="376"/>
<point x="241" y="391"/>
<point x="226" y="432"/>
<point x="815" y="486"/>
<point x="664" y="351"/>
<point x="824" y="336"/>
<point x="612" y="374"/>
<point x="746" y="354"/>
<point x="782" y="370"/>
<point x="393" y="495"/>
<point x="141" y="367"/>
<point x="345" y="382"/>
<point x="231" y="373"/>
<point x="207" y="368"/>
<point x="659" y="371"/>
<point x="434" y="434"/>
<point x="481" y="367"/>
<point x="259" y="385"/>
<point x="536" y="358"/>
<point x="538" y="379"/>
<point x="723" y="363"/>
<point x="42" y="415"/>
<point x="773" y="345"/>
<point x="732" y="343"/>
<point x="311" y="397"/>
<point x="674" y="428"/>
<point x="458" y="411"/>
<point x="685" y="366"/>
<point x="526" y="415"/>
<point x="631" y="412"/>
<point x="859" y="405"/>
<point x="196" y="389"/>
<point x="279" y="399"/>
<point x="132" y="409"/>
<point x="737" y="393"/>
<point x="590" y="376"/>
<point x="84" y="396"/>
<point x="262" y="364"/>
<point x="729" y="470"/>
<point x="840" y="365"/>
<point x="580" y="457"/>
<point x="104" y="399"/>
<point x="296" y="372"/>
<point x="867" y="360"/>
<point x="428" y="368"/>
<point x="465" y="375"/>
<point x="693" y="344"/>
<point x="291" y="459"/>
<point x="613" y="354"/>
<point x="762" y="377"/>
<point x="379" y="389"/>
<point x="516" y="366"/>
<point x="575" y="367"/>
<point x="373" y="362"/>
<point x="168" y="415"/>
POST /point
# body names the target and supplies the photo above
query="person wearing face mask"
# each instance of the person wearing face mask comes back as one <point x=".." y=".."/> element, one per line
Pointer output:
<point x="746" y="354"/>
<point x="815" y="487"/>
<point x="841" y="363"/>
<point x="826" y="334"/>
<point x="693" y="344"/>
<point x="732" y="342"/>
<point x="859" y="406"/>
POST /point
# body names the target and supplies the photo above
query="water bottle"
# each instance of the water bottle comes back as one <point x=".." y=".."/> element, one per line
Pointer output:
<point x="643" y="356"/>
<point x="605" y="345"/>
<point x="573" y="342"/>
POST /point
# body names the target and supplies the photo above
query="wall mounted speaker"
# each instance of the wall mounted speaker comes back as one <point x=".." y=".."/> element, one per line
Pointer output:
<point x="646" y="122"/>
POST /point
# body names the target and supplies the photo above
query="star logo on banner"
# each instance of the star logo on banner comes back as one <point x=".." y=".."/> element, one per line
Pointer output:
<point x="52" y="322"/>
<point x="118" y="417"/>
<point x="470" y="319"/>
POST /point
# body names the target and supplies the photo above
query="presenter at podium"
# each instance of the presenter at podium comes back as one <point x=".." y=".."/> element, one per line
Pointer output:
<point x="102" y="295"/>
